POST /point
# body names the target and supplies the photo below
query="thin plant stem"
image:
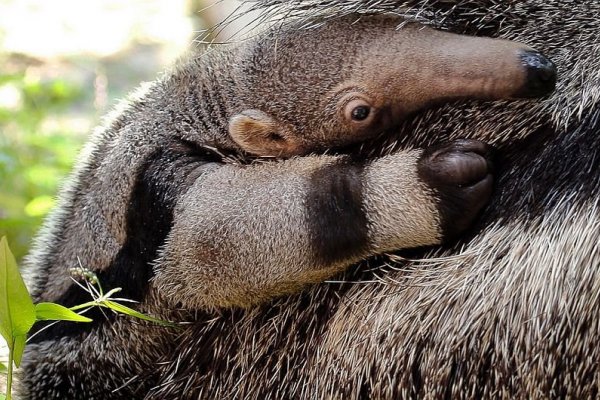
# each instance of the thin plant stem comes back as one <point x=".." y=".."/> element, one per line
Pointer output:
<point x="84" y="305"/>
<point x="10" y="373"/>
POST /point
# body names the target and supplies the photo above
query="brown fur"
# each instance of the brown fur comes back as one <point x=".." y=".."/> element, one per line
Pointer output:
<point x="393" y="72"/>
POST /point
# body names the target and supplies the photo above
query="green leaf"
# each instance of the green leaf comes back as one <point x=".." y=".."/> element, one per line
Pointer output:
<point x="17" y="313"/>
<point x="56" y="312"/>
<point x="18" y="347"/>
<point x="2" y="397"/>
<point x="121" y="309"/>
<point x="3" y="369"/>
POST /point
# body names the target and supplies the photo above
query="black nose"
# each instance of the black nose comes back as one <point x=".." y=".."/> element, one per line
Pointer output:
<point x="541" y="74"/>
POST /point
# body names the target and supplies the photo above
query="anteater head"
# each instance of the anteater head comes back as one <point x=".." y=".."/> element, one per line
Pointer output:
<point x="354" y="78"/>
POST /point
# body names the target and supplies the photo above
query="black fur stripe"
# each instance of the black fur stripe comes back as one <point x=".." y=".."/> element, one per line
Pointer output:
<point x="337" y="220"/>
<point x="161" y="179"/>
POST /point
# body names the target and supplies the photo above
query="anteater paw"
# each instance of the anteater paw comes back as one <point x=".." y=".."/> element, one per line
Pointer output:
<point x="460" y="174"/>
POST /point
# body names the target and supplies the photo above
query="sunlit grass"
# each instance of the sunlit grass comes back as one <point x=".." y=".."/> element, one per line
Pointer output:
<point x="32" y="160"/>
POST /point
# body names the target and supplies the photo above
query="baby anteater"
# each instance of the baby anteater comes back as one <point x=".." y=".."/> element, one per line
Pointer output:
<point x="297" y="92"/>
<point x="151" y="211"/>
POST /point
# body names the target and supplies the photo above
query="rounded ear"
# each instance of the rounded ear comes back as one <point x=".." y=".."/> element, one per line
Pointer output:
<point x="257" y="133"/>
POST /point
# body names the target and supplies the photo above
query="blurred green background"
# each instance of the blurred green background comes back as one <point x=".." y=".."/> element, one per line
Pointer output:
<point x="63" y="64"/>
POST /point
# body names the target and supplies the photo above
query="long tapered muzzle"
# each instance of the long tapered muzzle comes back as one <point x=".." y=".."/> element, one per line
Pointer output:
<point x="418" y="66"/>
<point x="477" y="67"/>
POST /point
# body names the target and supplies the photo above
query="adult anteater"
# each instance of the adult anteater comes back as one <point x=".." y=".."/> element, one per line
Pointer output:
<point x="511" y="311"/>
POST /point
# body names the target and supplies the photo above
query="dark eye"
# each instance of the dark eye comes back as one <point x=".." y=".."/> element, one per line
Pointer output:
<point x="361" y="113"/>
<point x="358" y="110"/>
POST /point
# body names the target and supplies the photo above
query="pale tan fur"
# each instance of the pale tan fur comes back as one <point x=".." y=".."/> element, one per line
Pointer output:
<point x="267" y="250"/>
<point x="394" y="200"/>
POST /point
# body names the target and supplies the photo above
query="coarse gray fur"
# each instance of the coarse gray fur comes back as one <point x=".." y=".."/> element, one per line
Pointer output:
<point x="154" y="207"/>
<point x="510" y="312"/>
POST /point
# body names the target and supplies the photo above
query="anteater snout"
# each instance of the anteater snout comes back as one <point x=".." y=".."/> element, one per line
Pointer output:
<point x="541" y="74"/>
